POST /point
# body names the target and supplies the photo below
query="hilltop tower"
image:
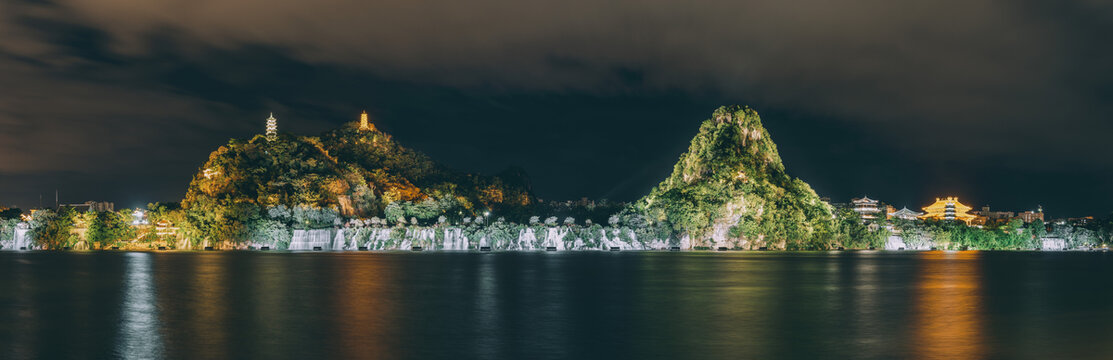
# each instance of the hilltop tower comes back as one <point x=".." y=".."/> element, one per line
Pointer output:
<point x="272" y="128"/>
<point x="364" y="124"/>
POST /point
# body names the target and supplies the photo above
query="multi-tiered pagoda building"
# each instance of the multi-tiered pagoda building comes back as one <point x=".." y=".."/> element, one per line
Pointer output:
<point x="948" y="209"/>
<point x="866" y="208"/>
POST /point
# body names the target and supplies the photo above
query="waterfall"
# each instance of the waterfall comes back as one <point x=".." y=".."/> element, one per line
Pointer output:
<point x="526" y="240"/>
<point x="634" y="244"/>
<point x="21" y="239"/>
<point x="308" y="239"/>
<point x="554" y="238"/>
<point x="615" y="240"/>
<point x="686" y="242"/>
<point x="338" y="241"/>
<point x="454" y="239"/>
<point x="1053" y="244"/>
<point x="376" y="238"/>
<point x="894" y="243"/>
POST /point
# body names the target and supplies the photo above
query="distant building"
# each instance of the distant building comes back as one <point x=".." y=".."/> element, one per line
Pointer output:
<point x="994" y="215"/>
<point x="165" y="228"/>
<point x="986" y="216"/>
<point x="905" y="214"/>
<point x="948" y="209"/>
<point x="866" y="208"/>
<point x="91" y="206"/>
<point x="1030" y="216"/>
<point x="1080" y="221"/>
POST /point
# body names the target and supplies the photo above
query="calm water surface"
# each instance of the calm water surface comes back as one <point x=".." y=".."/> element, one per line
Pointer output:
<point x="568" y="305"/>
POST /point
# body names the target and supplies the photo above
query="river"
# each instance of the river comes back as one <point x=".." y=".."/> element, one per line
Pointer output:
<point x="556" y="305"/>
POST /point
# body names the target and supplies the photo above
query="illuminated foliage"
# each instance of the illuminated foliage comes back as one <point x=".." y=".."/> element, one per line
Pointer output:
<point x="732" y="177"/>
<point x="360" y="172"/>
<point x="109" y="227"/>
<point x="53" y="230"/>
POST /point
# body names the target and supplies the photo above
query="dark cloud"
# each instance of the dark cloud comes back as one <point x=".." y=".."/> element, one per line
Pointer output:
<point x="1004" y="103"/>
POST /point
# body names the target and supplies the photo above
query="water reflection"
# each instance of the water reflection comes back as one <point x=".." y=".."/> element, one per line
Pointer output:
<point x="210" y="305"/>
<point x="485" y="306"/>
<point x="26" y="314"/>
<point x="948" y="320"/>
<point x="364" y="309"/>
<point x="138" y="335"/>
<point x="598" y="305"/>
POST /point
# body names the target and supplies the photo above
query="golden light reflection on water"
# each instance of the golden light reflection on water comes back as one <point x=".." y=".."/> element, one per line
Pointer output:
<point x="948" y="320"/>
<point x="363" y="313"/>
<point x="210" y="288"/>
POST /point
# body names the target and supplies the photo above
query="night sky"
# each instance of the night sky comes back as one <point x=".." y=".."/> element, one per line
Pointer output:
<point x="1002" y="103"/>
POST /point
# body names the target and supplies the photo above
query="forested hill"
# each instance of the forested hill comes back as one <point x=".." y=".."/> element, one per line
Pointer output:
<point x="731" y="189"/>
<point x="356" y="172"/>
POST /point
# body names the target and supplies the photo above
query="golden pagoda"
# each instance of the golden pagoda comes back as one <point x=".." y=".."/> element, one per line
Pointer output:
<point x="948" y="209"/>
<point x="364" y="124"/>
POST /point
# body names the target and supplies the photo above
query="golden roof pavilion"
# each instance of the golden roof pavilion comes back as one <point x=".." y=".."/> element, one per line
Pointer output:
<point x="948" y="209"/>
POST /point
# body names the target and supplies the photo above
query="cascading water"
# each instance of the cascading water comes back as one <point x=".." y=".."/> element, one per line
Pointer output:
<point x="1053" y="244"/>
<point x="21" y="239"/>
<point x="454" y="240"/>
<point x="526" y="240"/>
<point x="378" y="239"/>
<point x="309" y="239"/>
<point x="339" y="242"/>
<point x="897" y="243"/>
<point x="894" y="243"/>
<point x="555" y="238"/>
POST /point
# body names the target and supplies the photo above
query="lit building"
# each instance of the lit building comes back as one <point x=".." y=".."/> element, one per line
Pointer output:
<point x="272" y="128"/>
<point x="364" y="123"/>
<point x="947" y="209"/>
<point x="905" y="214"/>
<point x="1030" y="216"/>
<point x="994" y="216"/>
<point x="165" y="228"/>
<point x="92" y="206"/>
<point x="866" y="208"/>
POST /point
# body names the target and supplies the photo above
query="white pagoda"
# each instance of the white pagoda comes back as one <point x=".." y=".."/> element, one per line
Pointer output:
<point x="272" y="128"/>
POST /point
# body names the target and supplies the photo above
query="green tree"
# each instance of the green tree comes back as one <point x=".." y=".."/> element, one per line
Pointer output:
<point x="395" y="213"/>
<point x="1037" y="230"/>
<point x="53" y="230"/>
<point x="851" y="232"/>
<point x="7" y="230"/>
<point x="270" y="232"/>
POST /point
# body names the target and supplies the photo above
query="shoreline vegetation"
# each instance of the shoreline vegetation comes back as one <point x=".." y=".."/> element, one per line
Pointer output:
<point x="308" y="229"/>
<point x="355" y="187"/>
